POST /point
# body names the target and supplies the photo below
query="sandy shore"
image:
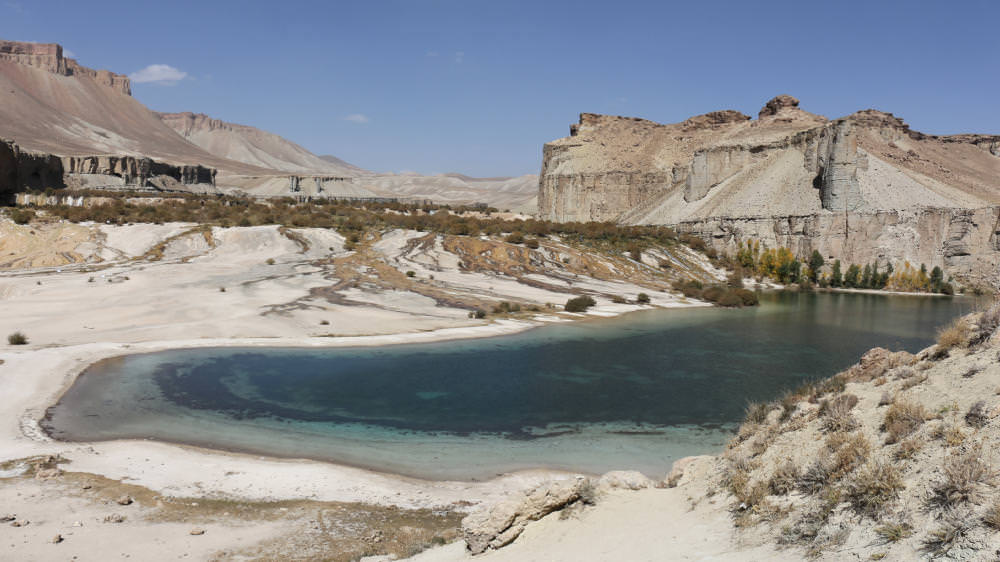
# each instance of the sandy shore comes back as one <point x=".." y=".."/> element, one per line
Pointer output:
<point x="146" y="288"/>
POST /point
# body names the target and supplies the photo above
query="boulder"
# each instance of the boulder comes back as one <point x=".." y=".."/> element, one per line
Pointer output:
<point x="776" y="104"/>
<point x="623" y="480"/>
<point x="498" y="525"/>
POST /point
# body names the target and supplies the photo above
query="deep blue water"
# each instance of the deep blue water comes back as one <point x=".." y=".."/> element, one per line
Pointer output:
<point x="632" y="392"/>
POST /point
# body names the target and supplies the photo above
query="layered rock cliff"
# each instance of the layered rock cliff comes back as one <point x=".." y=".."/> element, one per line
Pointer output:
<point x="49" y="57"/>
<point x="866" y="178"/>
<point x="22" y="170"/>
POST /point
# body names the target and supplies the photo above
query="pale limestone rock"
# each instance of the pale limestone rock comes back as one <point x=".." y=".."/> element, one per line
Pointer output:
<point x="498" y="525"/>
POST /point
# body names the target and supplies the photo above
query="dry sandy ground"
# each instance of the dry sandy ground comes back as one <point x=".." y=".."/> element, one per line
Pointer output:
<point x="104" y="291"/>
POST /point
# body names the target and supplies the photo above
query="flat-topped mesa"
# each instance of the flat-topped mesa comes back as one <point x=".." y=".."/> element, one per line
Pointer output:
<point x="185" y="122"/>
<point x="49" y="57"/>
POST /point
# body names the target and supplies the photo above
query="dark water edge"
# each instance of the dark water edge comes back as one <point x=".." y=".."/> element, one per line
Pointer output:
<point x="634" y="392"/>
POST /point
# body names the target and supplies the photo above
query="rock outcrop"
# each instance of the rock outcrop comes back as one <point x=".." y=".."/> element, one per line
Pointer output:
<point x="753" y="177"/>
<point x="498" y="525"/>
<point x="49" y="57"/>
<point x="22" y="170"/>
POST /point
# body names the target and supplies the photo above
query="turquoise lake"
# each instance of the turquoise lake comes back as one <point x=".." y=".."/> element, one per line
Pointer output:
<point x="635" y="392"/>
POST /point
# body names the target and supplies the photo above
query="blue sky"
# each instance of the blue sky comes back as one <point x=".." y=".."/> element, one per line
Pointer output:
<point x="477" y="87"/>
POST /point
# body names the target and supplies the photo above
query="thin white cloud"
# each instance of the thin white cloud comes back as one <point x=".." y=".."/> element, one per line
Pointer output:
<point x="459" y="57"/>
<point x="14" y="7"/>
<point x="68" y="53"/>
<point x="158" y="74"/>
<point x="432" y="53"/>
<point x="357" y="118"/>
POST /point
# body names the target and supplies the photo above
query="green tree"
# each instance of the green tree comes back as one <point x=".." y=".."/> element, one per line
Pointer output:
<point x="866" y="277"/>
<point x="852" y="277"/>
<point x="836" y="279"/>
<point x="937" y="279"/>
<point x="815" y="263"/>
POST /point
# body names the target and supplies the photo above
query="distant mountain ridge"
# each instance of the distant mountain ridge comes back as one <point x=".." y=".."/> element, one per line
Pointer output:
<point x="49" y="104"/>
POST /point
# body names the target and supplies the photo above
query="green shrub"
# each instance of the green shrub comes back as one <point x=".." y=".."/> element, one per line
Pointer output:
<point x="17" y="338"/>
<point x="730" y="299"/>
<point x="579" y="304"/>
<point x="411" y="273"/>
<point x="531" y="243"/>
<point x="748" y="297"/>
<point x="642" y="298"/>
<point x="22" y="216"/>
<point x="515" y="238"/>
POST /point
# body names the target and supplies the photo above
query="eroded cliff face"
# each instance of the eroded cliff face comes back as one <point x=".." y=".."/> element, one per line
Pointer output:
<point x="49" y="57"/>
<point x="868" y="173"/>
<point x="963" y="242"/>
<point x="22" y="170"/>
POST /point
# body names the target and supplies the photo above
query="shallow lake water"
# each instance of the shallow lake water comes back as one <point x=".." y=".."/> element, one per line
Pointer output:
<point x="635" y="392"/>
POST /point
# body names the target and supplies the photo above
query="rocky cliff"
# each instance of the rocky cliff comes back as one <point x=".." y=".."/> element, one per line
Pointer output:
<point x="22" y="170"/>
<point x="862" y="186"/>
<point x="49" y="57"/>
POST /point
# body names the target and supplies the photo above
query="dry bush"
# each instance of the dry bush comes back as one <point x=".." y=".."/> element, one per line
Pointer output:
<point x="987" y="323"/>
<point x="784" y="479"/>
<point x="955" y="334"/>
<point x="756" y="413"/>
<point x="912" y="382"/>
<point x="907" y="449"/>
<point x="737" y="475"/>
<point x="955" y="524"/>
<point x="816" y="477"/>
<point x="951" y="434"/>
<point x="902" y="419"/>
<point x="963" y="478"/>
<point x="836" y="413"/>
<point x="854" y="452"/>
<point x="991" y="518"/>
<point x="894" y="532"/>
<point x="884" y="400"/>
<point x="873" y="487"/>
<point x="905" y="373"/>
<point x="976" y="416"/>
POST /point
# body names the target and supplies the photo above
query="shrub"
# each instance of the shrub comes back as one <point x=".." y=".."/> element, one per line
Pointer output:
<point x="907" y="449"/>
<point x="618" y="299"/>
<point x="749" y="297"/>
<point x="992" y="516"/>
<point x="955" y="334"/>
<point x="270" y="261"/>
<point x="850" y="454"/>
<point x="816" y="477"/>
<point x="642" y="298"/>
<point x="411" y="273"/>
<point x="324" y="322"/>
<point x="963" y="477"/>
<point x="515" y="238"/>
<point x="22" y="216"/>
<point x="531" y="243"/>
<point x="894" y="532"/>
<point x="478" y="314"/>
<point x="954" y="526"/>
<point x="988" y="322"/>
<point x="976" y="416"/>
<point x="756" y="413"/>
<point x="837" y="413"/>
<point x="730" y="300"/>
<point x="902" y="419"/>
<point x="506" y="307"/>
<point x="579" y="304"/>
<point x="784" y="479"/>
<point x="17" y="338"/>
<point x="873" y="487"/>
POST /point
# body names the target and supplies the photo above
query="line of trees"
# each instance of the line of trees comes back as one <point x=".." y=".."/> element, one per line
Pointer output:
<point x="781" y="265"/>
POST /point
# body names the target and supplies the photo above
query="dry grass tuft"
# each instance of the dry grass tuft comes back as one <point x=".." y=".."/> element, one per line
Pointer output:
<point x="784" y="479"/>
<point x="976" y="416"/>
<point x="955" y="334"/>
<point x="963" y="479"/>
<point x="902" y="419"/>
<point x="873" y="487"/>
<point x="894" y="532"/>
<point x="816" y="477"/>
<point x="952" y="435"/>
<point x="987" y="323"/>
<point x="949" y="534"/>
<point x="907" y="449"/>
<point x="851" y="453"/>
<point x="756" y="413"/>
<point x="836" y="413"/>
<point x="991" y="518"/>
